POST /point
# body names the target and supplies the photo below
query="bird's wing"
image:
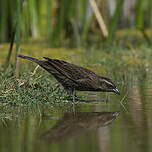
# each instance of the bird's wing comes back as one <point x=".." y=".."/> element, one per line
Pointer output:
<point x="58" y="73"/>
<point x="71" y="71"/>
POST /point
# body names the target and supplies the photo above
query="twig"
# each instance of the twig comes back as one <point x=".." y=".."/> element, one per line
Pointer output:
<point x="99" y="18"/>
<point x="121" y="102"/>
<point x="17" y="63"/>
<point x="33" y="73"/>
<point x="10" y="48"/>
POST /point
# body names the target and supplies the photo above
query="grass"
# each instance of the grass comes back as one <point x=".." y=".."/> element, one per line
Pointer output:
<point x="31" y="93"/>
<point x="29" y="89"/>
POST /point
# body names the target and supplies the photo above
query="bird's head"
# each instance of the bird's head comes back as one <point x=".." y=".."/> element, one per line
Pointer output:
<point x="106" y="85"/>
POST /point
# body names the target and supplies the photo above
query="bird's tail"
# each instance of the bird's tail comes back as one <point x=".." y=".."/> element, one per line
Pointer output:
<point x="29" y="58"/>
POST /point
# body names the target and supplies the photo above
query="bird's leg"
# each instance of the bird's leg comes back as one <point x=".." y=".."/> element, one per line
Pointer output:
<point x="73" y="100"/>
<point x="71" y="93"/>
<point x="73" y="96"/>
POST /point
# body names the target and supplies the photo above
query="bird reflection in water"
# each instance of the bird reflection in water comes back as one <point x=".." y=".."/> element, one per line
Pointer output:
<point x="70" y="125"/>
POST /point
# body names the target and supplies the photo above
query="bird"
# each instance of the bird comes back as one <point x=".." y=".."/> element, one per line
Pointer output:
<point x="73" y="77"/>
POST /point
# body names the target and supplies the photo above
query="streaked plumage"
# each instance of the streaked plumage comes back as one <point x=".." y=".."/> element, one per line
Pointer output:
<point x="73" y="77"/>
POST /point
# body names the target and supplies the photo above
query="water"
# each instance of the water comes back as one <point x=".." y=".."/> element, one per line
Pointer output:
<point x="92" y="127"/>
<point x="76" y="131"/>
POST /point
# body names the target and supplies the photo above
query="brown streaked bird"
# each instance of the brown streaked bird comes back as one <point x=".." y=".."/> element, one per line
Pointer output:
<point x="73" y="77"/>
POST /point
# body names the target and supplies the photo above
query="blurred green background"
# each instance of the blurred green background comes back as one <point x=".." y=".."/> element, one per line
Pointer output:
<point x="73" y="23"/>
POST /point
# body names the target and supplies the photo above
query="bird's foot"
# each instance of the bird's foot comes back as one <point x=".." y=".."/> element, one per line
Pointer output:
<point x="74" y="99"/>
<point x="77" y="99"/>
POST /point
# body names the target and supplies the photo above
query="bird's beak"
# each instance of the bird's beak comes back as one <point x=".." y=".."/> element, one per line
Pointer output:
<point x="116" y="91"/>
